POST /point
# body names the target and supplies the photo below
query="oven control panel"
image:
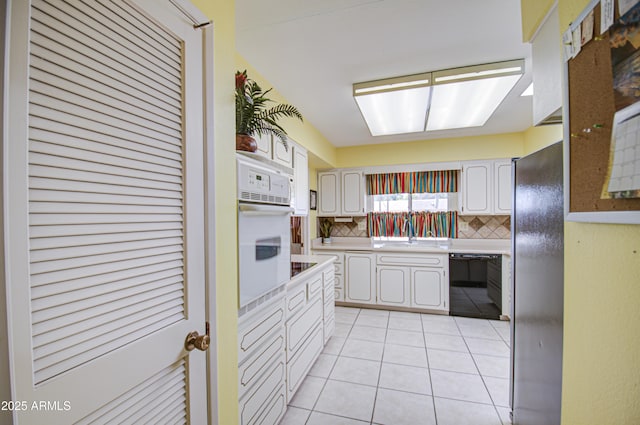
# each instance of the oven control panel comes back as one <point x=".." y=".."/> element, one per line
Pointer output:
<point x="257" y="182"/>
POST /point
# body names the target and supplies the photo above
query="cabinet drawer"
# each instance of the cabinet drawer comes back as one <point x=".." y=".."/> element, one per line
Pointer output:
<point x="338" y="268"/>
<point x="266" y="402"/>
<point x="314" y="287"/>
<point x="430" y="260"/>
<point x="298" y="366"/>
<point x="328" y="277"/>
<point x="328" y="293"/>
<point x="251" y="370"/>
<point x="299" y="327"/>
<point x="259" y="327"/>
<point x="296" y="299"/>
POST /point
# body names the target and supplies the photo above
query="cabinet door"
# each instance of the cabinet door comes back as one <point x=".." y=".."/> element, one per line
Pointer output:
<point x="360" y="278"/>
<point x="264" y="145"/>
<point x="394" y="286"/>
<point x="502" y="187"/>
<point x="476" y="188"/>
<point x="282" y="155"/>
<point x="428" y="288"/>
<point x="300" y="180"/>
<point x="353" y="193"/>
<point x="329" y="193"/>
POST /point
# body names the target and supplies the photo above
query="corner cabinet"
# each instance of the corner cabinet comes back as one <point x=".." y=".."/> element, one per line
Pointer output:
<point x="486" y="187"/>
<point x="341" y="193"/>
<point x="360" y="271"/>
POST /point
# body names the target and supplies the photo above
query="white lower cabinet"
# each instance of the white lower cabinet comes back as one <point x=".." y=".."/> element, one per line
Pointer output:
<point x="415" y="281"/>
<point x="394" y="286"/>
<point x="262" y="364"/>
<point x="360" y="272"/>
<point x="429" y="288"/>
<point x="338" y="265"/>
<point x="278" y="343"/>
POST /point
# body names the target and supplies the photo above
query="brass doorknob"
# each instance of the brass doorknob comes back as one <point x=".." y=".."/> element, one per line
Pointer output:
<point x="195" y="340"/>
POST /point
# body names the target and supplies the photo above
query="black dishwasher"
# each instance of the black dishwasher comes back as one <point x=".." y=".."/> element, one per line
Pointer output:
<point x="475" y="285"/>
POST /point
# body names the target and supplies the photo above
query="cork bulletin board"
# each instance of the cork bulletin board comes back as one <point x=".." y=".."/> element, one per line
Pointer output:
<point x="589" y="113"/>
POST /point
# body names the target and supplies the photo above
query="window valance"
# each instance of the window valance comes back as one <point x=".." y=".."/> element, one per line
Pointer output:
<point x="413" y="182"/>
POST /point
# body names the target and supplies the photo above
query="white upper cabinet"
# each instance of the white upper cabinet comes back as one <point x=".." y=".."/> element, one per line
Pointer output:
<point x="476" y="188"/>
<point x="300" y="180"/>
<point x="353" y="193"/>
<point x="502" y="187"/>
<point x="329" y="193"/>
<point x="486" y="187"/>
<point x="341" y="193"/>
<point x="264" y="145"/>
<point x="282" y="155"/>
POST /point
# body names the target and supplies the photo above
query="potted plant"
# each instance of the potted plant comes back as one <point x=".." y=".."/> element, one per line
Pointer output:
<point x="326" y="225"/>
<point x="253" y="117"/>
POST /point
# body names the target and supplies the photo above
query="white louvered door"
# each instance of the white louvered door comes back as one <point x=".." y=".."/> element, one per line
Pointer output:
<point x="105" y="225"/>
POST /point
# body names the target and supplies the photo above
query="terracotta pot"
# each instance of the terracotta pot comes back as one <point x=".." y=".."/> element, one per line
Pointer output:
<point x="244" y="142"/>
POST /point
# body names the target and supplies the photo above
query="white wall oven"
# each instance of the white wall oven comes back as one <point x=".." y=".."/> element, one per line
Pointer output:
<point x="264" y="237"/>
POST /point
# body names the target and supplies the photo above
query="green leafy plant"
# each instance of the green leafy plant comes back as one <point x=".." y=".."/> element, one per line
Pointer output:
<point x="326" y="225"/>
<point x="253" y="117"/>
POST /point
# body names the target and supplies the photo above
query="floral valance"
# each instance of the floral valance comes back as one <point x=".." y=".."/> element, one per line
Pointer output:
<point x="413" y="182"/>
<point x="425" y="224"/>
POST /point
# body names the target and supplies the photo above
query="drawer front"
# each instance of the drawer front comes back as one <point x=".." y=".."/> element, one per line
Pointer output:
<point x="339" y="294"/>
<point x="314" y="287"/>
<point x="258" y="328"/>
<point x="329" y="309"/>
<point x="329" y="327"/>
<point x="338" y="268"/>
<point x="328" y="293"/>
<point x="296" y="299"/>
<point x="429" y="260"/>
<point x="252" y="369"/>
<point x="328" y="277"/>
<point x="259" y="403"/>
<point x="301" y="326"/>
<point x="299" y="365"/>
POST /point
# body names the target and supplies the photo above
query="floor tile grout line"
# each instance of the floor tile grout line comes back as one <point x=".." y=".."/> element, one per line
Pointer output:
<point x="375" y="398"/>
<point x="426" y="352"/>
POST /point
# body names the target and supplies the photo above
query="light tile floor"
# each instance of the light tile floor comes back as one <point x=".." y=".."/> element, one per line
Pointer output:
<point x="396" y="368"/>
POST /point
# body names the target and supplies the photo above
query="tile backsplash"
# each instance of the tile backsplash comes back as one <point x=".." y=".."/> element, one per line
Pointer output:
<point x="485" y="227"/>
<point x="479" y="227"/>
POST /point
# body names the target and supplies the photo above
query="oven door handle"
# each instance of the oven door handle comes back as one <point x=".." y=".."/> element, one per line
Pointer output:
<point x="257" y="209"/>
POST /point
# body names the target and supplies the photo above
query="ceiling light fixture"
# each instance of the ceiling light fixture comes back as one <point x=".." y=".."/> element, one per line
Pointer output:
<point x="440" y="100"/>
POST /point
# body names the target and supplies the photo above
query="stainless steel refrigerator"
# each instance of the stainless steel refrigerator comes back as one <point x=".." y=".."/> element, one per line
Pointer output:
<point x="538" y="288"/>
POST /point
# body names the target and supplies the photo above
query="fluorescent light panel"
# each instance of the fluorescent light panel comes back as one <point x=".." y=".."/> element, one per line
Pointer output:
<point x="458" y="98"/>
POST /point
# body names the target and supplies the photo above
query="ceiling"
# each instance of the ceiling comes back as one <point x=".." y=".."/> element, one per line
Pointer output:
<point x="313" y="51"/>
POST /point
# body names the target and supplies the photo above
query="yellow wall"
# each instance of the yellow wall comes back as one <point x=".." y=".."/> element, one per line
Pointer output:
<point x="302" y="132"/>
<point x="533" y="12"/>
<point x="601" y="379"/>
<point x="437" y="150"/>
<point x="223" y="15"/>
<point x="536" y="138"/>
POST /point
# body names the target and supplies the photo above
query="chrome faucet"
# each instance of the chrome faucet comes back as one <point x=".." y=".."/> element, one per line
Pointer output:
<point x="408" y="228"/>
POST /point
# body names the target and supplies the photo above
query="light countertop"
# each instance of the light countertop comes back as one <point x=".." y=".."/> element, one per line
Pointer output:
<point x="470" y="246"/>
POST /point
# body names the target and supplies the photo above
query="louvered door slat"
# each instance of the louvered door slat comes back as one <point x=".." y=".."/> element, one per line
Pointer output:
<point x="158" y="43"/>
<point x="132" y="401"/>
<point x="83" y="197"/>
<point x="54" y="365"/>
<point x="55" y="207"/>
<point x="81" y="18"/>
<point x="43" y="23"/>
<point x="54" y="86"/>
<point x="70" y="344"/>
<point x="38" y="171"/>
<point x="47" y="317"/>
<point x="96" y="243"/>
<point x="106" y="188"/>
<point x="65" y="251"/>
<point x="90" y="74"/>
<point x="118" y="279"/>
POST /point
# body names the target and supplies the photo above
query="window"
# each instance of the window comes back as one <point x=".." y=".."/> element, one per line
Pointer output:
<point x="414" y="202"/>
